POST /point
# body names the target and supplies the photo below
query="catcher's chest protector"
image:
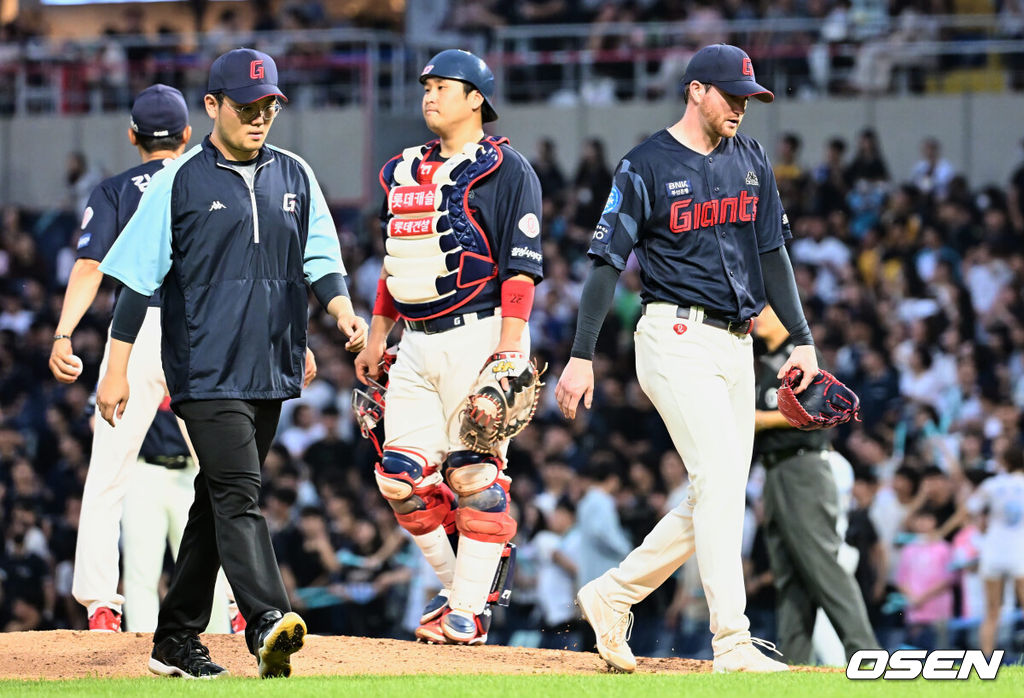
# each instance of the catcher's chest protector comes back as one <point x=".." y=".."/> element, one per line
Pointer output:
<point x="438" y="257"/>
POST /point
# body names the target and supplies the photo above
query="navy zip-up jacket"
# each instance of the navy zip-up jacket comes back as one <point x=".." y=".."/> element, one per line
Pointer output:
<point x="232" y="263"/>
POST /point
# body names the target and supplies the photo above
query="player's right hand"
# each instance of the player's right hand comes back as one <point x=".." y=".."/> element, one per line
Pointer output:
<point x="356" y="329"/>
<point x="65" y="366"/>
<point x="310" y="372"/>
<point x="577" y="382"/>
<point x="368" y="361"/>
<point x="112" y="396"/>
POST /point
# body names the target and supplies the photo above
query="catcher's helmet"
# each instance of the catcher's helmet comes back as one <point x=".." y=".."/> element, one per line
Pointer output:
<point x="456" y="64"/>
<point x="369" y="404"/>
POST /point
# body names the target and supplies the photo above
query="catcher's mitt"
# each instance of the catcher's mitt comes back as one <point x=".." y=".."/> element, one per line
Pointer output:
<point x="825" y="403"/>
<point x="493" y="414"/>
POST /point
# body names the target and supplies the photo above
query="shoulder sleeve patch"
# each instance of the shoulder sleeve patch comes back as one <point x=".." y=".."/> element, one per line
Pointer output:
<point x="530" y="225"/>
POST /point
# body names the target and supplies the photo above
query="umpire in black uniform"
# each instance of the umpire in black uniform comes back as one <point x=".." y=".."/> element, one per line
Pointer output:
<point x="801" y="505"/>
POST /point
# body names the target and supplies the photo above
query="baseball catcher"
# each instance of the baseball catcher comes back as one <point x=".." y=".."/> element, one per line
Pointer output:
<point x="461" y="221"/>
<point x="825" y="403"/>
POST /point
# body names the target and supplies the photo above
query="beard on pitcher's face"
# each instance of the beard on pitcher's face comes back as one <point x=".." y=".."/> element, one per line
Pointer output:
<point x="722" y="112"/>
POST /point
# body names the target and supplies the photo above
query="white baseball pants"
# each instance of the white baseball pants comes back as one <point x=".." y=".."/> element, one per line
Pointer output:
<point x="113" y="458"/>
<point x="155" y="514"/>
<point x="701" y="380"/>
<point x="430" y="381"/>
<point x="114" y="452"/>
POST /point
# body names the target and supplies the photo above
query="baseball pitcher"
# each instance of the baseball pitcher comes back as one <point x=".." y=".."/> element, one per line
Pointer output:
<point x="698" y="205"/>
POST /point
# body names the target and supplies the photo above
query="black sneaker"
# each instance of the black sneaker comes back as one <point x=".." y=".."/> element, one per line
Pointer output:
<point x="184" y="656"/>
<point x="280" y="638"/>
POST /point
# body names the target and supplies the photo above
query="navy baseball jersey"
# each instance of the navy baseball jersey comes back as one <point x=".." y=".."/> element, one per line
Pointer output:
<point x="111" y="206"/>
<point x="697" y="223"/>
<point x="164" y="439"/>
<point x="506" y="205"/>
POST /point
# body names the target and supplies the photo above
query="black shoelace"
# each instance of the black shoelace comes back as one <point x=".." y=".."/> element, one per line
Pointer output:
<point x="196" y="652"/>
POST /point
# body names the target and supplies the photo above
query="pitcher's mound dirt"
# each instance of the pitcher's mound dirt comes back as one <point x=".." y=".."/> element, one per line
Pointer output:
<point x="70" y="654"/>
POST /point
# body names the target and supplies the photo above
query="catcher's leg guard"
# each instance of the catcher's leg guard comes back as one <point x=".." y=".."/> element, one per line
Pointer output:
<point x="470" y="472"/>
<point x="435" y="607"/>
<point x="481" y="546"/>
<point x="415" y="491"/>
<point x="484" y="516"/>
<point x="501" y="587"/>
<point x="423" y="505"/>
<point x="483" y="496"/>
<point x="501" y="591"/>
<point x="466" y="629"/>
<point x="485" y="527"/>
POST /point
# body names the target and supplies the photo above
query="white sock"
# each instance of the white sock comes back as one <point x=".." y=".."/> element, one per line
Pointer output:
<point x="96" y="605"/>
<point x="438" y="550"/>
<point x="474" y="573"/>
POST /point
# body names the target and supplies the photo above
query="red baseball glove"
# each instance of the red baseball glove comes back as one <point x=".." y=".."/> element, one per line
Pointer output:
<point x="825" y="403"/>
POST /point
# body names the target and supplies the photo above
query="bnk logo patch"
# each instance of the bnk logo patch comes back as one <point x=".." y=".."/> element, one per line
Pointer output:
<point x="680" y="188"/>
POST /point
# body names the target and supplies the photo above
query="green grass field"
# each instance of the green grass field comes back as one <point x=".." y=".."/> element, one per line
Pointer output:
<point x="1009" y="683"/>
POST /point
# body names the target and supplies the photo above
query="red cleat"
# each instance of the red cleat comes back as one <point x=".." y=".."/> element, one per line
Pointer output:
<point x="462" y="628"/>
<point x="105" y="620"/>
<point x="430" y="632"/>
<point x="237" y="620"/>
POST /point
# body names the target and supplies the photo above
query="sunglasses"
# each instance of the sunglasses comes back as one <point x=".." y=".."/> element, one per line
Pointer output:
<point x="250" y="112"/>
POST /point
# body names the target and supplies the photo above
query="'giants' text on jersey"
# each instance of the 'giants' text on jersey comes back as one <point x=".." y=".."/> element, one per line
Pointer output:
<point x="697" y="223"/>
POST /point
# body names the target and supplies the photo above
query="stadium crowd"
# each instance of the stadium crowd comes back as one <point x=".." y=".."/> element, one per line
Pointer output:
<point x="805" y="48"/>
<point x="912" y="280"/>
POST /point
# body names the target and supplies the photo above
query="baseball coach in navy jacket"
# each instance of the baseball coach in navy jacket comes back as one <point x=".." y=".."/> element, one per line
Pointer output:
<point x="233" y="233"/>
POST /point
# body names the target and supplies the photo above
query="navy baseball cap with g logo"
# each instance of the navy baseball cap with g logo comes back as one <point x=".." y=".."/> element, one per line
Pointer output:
<point x="158" y="111"/>
<point x="245" y="75"/>
<point x="727" y="68"/>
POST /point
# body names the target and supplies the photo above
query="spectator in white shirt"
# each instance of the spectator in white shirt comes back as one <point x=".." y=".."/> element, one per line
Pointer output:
<point x="985" y="277"/>
<point x="306" y="429"/>
<point x="920" y="382"/>
<point x="932" y="173"/>
<point x="603" y="540"/>
<point x="557" y="555"/>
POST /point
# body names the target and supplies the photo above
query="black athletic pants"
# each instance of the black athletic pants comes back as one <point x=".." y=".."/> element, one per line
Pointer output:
<point x="225" y="525"/>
